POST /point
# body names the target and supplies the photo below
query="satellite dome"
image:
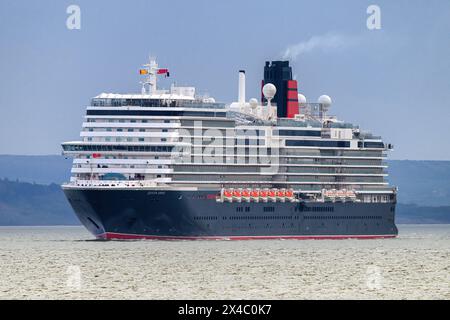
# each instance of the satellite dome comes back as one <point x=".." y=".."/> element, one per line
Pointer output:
<point x="301" y="98"/>
<point x="269" y="91"/>
<point x="253" y="103"/>
<point x="325" y="100"/>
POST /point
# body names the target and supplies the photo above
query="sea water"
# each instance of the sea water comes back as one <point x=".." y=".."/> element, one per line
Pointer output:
<point x="66" y="263"/>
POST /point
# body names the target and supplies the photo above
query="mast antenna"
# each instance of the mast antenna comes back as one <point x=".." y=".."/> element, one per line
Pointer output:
<point x="151" y="70"/>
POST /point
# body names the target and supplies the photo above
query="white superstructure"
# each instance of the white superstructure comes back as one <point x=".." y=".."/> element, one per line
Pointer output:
<point x="176" y="139"/>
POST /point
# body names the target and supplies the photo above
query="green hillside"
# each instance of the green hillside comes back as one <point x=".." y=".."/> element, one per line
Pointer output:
<point x="33" y="204"/>
<point x="29" y="195"/>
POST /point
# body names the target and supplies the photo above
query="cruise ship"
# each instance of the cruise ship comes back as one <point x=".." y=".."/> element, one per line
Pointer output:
<point x="173" y="164"/>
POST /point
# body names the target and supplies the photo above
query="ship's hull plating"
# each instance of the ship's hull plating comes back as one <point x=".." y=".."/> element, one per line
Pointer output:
<point x="144" y="214"/>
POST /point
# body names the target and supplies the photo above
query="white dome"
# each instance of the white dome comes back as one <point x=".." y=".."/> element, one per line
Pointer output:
<point x="301" y="98"/>
<point x="269" y="90"/>
<point x="253" y="103"/>
<point x="325" y="100"/>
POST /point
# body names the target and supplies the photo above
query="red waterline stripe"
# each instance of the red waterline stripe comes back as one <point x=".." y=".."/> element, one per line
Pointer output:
<point x="124" y="236"/>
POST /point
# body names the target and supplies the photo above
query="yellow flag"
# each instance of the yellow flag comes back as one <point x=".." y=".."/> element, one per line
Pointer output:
<point x="143" y="71"/>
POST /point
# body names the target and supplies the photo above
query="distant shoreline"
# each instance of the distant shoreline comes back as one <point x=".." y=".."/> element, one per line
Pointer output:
<point x="30" y="192"/>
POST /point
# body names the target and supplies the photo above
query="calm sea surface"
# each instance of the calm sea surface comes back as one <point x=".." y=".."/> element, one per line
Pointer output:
<point x="64" y="263"/>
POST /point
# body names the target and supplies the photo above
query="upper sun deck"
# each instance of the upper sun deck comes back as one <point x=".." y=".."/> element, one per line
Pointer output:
<point x="154" y="100"/>
<point x="151" y="96"/>
<point x="160" y="95"/>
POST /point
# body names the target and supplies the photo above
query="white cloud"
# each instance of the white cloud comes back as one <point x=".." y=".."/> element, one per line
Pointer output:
<point x="327" y="42"/>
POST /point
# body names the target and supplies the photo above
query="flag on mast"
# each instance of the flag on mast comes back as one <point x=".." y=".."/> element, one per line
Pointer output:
<point x="163" y="71"/>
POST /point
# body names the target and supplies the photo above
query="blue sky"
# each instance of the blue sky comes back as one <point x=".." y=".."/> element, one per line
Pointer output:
<point x="394" y="81"/>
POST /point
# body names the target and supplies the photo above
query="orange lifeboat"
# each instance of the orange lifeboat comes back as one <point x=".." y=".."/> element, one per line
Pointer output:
<point x="341" y="193"/>
<point x="350" y="194"/>
<point x="237" y="195"/>
<point x="254" y="193"/>
<point x="263" y="194"/>
<point x="289" y="193"/>
<point x="273" y="195"/>
<point x="227" y="193"/>
<point x="246" y="194"/>
<point x="281" y="194"/>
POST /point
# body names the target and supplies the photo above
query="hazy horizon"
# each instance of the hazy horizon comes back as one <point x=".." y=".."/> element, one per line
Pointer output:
<point x="393" y="81"/>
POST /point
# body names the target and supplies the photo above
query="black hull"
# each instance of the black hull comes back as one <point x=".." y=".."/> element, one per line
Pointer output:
<point x="144" y="214"/>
